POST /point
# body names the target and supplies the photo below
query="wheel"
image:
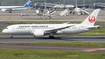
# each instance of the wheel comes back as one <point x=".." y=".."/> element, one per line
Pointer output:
<point x="34" y="36"/>
<point x="51" y="37"/>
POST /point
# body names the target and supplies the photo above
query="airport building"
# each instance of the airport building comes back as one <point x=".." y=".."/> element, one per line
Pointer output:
<point x="80" y="2"/>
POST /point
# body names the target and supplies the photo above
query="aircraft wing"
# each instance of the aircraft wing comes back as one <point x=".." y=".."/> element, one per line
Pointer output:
<point x="58" y="28"/>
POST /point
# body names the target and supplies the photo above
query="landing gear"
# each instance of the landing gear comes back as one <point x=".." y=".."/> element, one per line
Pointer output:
<point x="81" y="13"/>
<point x="11" y="36"/>
<point x="51" y="36"/>
<point x="10" y="11"/>
<point x="34" y="36"/>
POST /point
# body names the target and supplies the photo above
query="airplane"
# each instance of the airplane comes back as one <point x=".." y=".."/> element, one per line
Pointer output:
<point x="40" y="30"/>
<point x="59" y="6"/>
<point x="78" y="10"/>
<point x="69" y="6"/>
<point x="63" y="6"/>
<point x="10" y="8"/>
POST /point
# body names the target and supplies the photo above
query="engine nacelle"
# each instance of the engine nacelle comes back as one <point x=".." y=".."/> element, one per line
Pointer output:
<point x="3" y="10"/>
<point x="39" y="33"/>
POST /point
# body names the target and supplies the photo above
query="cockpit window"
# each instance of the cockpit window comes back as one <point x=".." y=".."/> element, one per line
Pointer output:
<point x="6" y="28"/>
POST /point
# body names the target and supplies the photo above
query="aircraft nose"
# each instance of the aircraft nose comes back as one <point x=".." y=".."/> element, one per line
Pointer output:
<point x="4" y="31"/>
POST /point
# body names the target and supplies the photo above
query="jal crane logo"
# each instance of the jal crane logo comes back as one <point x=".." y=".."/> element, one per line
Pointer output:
<point x="91" y="19"/>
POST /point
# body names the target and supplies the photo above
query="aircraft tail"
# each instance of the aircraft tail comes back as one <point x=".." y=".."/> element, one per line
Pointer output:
<point x="28" y="3"/>
<point x="90" y="20"/>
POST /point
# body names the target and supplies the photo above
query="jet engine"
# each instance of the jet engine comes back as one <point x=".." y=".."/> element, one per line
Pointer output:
<point x="3" y="10"/>
<point x="39" y="33"/>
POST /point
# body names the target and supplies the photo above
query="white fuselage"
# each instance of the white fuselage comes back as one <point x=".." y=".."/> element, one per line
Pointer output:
<point x="3" y="7"/>
<point x="78" y="10"/>
<point x="29" y="28"/>
<point x="13" y="7"/>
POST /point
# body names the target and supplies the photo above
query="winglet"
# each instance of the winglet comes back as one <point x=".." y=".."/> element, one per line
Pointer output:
<point x="90" y="20"/>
